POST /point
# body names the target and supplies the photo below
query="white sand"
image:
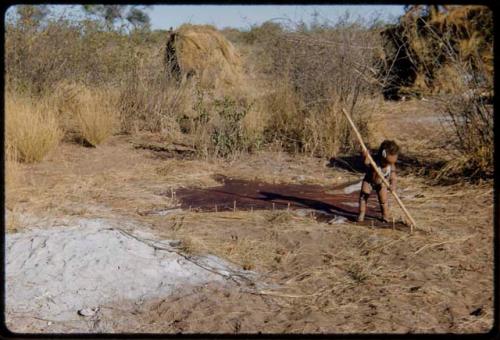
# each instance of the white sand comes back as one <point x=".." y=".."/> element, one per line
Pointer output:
<point x="55" y="272"/>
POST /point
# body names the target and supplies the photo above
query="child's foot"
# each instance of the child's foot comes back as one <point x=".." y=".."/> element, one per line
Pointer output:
<point x="361" y="218"/>
<point x="385" y="219"/>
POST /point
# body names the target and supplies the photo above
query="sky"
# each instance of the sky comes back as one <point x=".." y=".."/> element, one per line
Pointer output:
<point x="244" y="16"/>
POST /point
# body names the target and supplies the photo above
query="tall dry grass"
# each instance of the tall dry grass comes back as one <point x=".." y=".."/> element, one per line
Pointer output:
<point x="470" y="113"/>
<point x="97" y="116"/>
<point x="87" y="114"/>
<point x="32" y="129"/>
<point x="292" y="84"/>
<point x="150" y="100"/>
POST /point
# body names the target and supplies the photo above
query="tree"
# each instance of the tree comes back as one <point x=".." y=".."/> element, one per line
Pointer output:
<point x="111" y="14"/>
<point x="138" y="19"/>
<point x="108" y="14"/>
<point x="31" y="16"/>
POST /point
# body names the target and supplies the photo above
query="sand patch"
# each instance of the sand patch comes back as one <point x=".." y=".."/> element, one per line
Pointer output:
<point x="63" y="273"/>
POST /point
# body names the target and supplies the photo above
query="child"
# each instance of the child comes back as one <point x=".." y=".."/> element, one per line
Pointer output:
<point x="386" y="161"/>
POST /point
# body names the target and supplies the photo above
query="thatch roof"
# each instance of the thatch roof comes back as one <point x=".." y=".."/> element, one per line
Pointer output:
<point x="203" y="52"/>
<point x="429" y="39"/>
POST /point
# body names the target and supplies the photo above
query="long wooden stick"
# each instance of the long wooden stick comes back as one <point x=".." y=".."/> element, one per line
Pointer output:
<point x="377" y="170"/>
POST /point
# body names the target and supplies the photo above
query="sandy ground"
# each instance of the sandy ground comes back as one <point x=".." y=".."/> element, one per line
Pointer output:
<point x="71" y="271"/>
<point x="320" y="277"/>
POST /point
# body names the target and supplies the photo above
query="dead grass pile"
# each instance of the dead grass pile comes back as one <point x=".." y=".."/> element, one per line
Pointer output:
<point x="32" y="129"/>
<point x="204" y="52"/>
<point x="215" y="120"/>
<point x="428" y="40"/>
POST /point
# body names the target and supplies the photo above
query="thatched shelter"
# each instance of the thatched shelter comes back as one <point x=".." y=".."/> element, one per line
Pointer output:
<point x="202" y="52"/>
<point x="424" y="47"/>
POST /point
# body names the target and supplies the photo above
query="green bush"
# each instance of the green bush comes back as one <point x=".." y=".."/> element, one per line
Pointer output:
<point x="228" y="135"/>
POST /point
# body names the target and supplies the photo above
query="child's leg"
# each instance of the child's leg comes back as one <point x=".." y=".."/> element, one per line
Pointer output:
<point x="382" y="198"/>
<point x="363" y="199"/>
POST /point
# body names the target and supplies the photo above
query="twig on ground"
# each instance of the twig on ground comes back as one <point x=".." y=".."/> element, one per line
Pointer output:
<point x="441" y="243"/>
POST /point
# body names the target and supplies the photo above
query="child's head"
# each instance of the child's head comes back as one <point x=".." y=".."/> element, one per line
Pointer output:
<point x="388" y="151"/>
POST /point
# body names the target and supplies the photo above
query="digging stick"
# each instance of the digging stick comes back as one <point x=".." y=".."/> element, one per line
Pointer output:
<point x="377" y="170"/>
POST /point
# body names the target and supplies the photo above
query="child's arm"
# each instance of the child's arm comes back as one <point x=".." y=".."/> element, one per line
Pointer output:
<point x="366" y="161"/>
<point x="393" y="179"/>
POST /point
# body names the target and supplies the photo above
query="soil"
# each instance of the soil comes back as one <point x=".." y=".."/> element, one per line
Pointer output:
<point x="312" y="276"/>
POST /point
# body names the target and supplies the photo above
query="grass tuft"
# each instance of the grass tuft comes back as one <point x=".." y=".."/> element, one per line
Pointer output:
<point x="97" y="117"/>
<point x="31" y="127"/>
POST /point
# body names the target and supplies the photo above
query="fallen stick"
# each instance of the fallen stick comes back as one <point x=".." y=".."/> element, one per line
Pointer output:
<point x="264" y="292"/>
<point x="463" y="239"/>
<point x="377" y="170"/>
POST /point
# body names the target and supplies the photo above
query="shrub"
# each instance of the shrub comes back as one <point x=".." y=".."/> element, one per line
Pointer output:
<point x="228" y="135"/>
<point x="316" y="73"/>
<point x="32" y="129"/>
<point x="471" y="120"/>
<point x="292" y="94"/>
<point x="466" y="75"/>
<point x="151" y="101"/>
<point x="39" y="57"/>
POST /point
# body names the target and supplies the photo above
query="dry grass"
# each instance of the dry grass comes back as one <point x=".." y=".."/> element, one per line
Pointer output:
<point x="349" y="257"/>
<point x="11" y="168"/>
<point x="191" y="245"/>
<point x="312" y="75"/>
<point x="246" y="251"/>
<point x="152" y="101"/>
<point x="97" y="117"/>
<point x="12" y="221"/>
<point x="226" y="109"/>
<point x="425" y="36"/>
<point x="31" y="127"/>
<point x="471" y="120"/>
<point x="90" y="114"/>
<point x="13" y="180"/>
